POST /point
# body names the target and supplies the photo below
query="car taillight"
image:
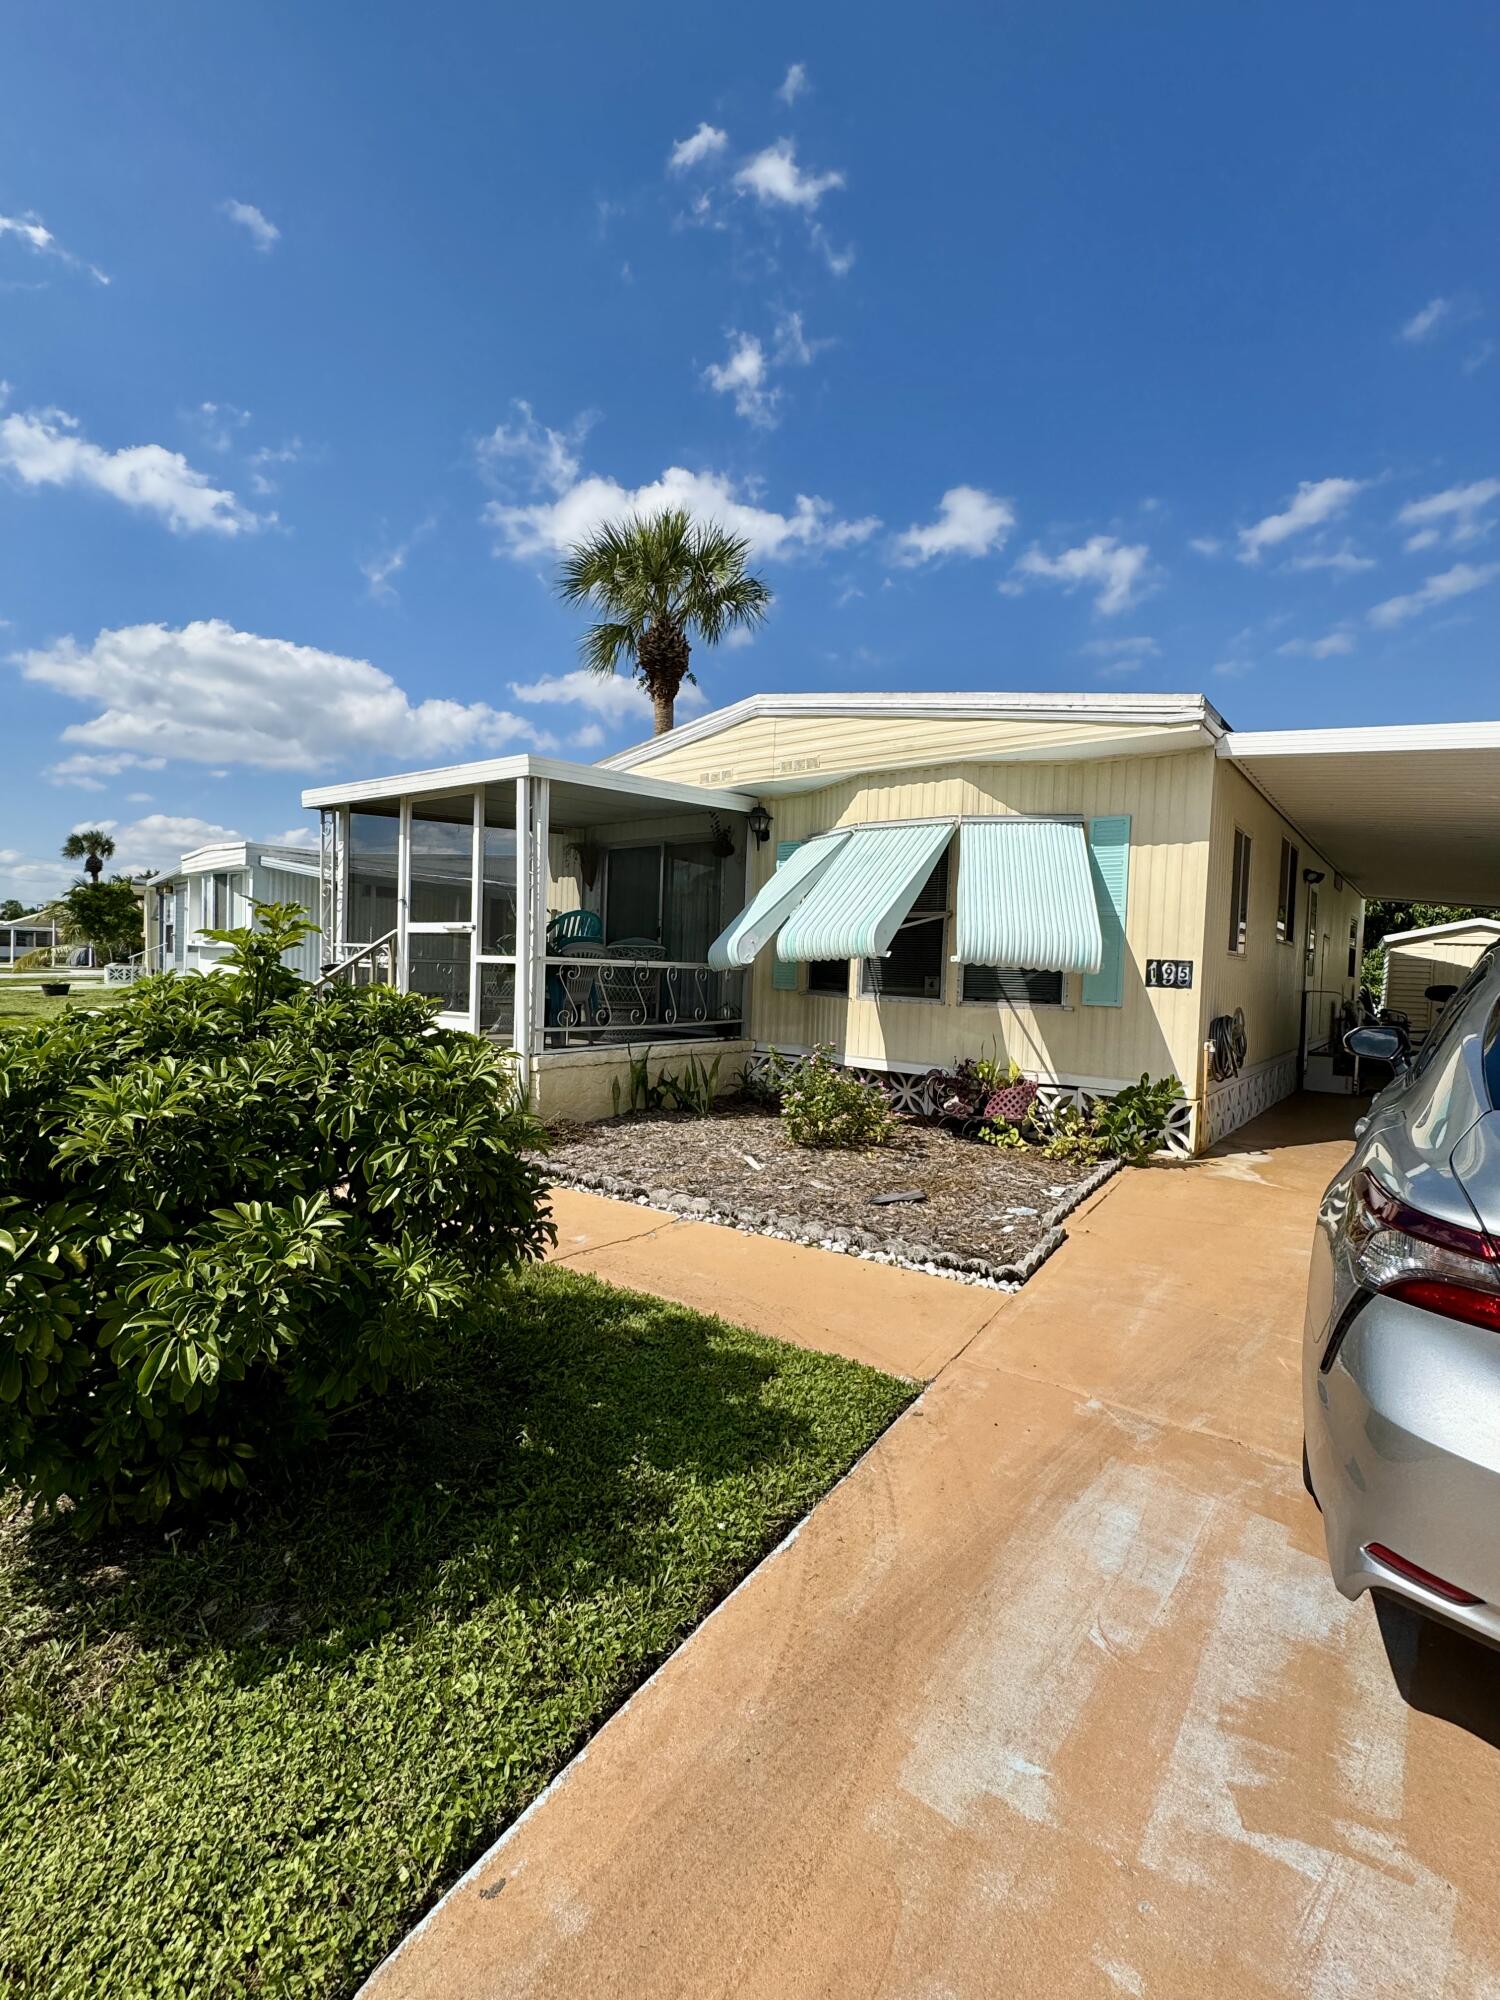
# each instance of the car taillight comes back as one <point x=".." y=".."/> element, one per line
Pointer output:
<point x="1444" y="1267"/>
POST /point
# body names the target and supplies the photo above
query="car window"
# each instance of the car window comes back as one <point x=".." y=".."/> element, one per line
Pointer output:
<point x="1452" y="1014"/>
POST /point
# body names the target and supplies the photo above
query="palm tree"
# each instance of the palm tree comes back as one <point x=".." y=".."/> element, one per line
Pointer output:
<point x="660" y="580"/>
<point x="90" y="845"/>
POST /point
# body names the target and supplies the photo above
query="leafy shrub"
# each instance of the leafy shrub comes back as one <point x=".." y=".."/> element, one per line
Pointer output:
<point x="691" y="1089"/>
<point x="1133" y="1123"/>
<point x="229" y="1207"/>
<point x="824" y="1105"/>
<point x="1129" y="1126"/>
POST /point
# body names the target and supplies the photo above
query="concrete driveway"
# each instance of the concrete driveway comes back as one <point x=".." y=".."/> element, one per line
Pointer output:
<point x="1052" y="1696"/>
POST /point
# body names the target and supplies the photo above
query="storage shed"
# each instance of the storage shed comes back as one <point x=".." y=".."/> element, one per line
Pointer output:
<point x="1438" y="955"/>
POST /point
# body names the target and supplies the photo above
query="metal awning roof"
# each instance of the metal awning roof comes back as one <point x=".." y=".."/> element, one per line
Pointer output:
<point x="863" y="898"/>
<point x="1411" y="811"/>
<point x="1026" y="896"/>
<point x="774" y="901"/>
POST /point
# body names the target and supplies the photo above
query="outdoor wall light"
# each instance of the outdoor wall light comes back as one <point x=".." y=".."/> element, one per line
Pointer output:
<point x="1312" y="874"/>
<point x="759" y="822"/>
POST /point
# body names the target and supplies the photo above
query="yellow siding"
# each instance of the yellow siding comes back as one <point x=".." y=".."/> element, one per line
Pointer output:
<point x="1441" y="961"/>
<point x="765" y="749"/>
<point x="1268" y="978"/>
<point x="1168" y="799"/>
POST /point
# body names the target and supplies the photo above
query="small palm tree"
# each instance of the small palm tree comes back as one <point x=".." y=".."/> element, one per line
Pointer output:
<point x="90" y="845"/>
<point x="660" y="580"/>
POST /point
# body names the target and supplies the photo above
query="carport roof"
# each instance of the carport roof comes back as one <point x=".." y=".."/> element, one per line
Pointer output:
<point x="1411" y="811"/>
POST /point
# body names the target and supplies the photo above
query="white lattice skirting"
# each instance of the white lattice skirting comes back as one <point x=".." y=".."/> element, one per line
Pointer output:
<point x="1232" y="1104"/>
<point x="912" y="1091"/>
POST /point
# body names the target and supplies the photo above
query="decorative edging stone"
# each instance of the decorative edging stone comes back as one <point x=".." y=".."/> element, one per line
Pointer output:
<point x="911" y="1256"/>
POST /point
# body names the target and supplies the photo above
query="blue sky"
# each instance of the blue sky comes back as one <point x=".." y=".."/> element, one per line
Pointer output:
<point x="1034" y="347"/>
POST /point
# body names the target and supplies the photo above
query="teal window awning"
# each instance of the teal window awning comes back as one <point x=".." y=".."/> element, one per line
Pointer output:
<point x="774" y="902"/>
<point x="1026" y="896"/>
<point x="861" y="901"/>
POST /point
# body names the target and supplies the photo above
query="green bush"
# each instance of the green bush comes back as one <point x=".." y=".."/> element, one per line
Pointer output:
<point x="230" y="1207"/>
<point x="824" y="1105"/>
<point x="1131" y="1125"/>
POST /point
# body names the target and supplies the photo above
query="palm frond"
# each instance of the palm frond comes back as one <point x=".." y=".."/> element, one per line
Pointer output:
<point x="604" y="646"/>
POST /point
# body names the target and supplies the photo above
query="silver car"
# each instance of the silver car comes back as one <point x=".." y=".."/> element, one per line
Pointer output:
<point x="1401" y="1355"/>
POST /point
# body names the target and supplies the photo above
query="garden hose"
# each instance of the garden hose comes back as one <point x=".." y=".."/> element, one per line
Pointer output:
<point x="1226" y="1038"/>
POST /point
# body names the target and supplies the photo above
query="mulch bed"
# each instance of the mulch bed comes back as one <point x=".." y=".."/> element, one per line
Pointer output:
<point x="988" y="1216"/>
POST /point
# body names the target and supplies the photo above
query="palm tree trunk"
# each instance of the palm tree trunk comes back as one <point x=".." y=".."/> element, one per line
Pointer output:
<point x="662" y="657"/>
<point x="662" y="708"/>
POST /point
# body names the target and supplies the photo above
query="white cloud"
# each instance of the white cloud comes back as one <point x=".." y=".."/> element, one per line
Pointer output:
<point x="1477" y="356"/>
<point x="209" y="694"/>
<point x="970" y="522"/>
<point x="1456" y="512"/>
<point x="304" y="834"/>
<point x="542" y="456"/>
<point x="377" y="570"/>
<point x="1141" y="648"/>
<point x="1117" y="570"/>
<point x="216" y="424"/>
<point x="590" y="737"/>
<point x="45" y="448"/>
<point x="743" y="375"/>
<point x="705" y="144"/>
<point x="33" y="232"/>
<point x="87" y="771"/>
<point x="1440" y="589"/>
<point x="775" y="179"/>
<point x="1338" y="641"/>
<point x="1345" y="560"/>
<point x="290" y="453"/>
<point x="615" y="699"/>
<point x="263" y="231"/>
<point x="1206" y="545"/>
<point x="1233" y="670"/>
<point x="794" y="83"/>
<point x="746" y="371"/>
<point x="1316" y="502"/>
<point x="1422" y="325"/>
<point x="159" y="841"/>
<point x="575" y="503"/>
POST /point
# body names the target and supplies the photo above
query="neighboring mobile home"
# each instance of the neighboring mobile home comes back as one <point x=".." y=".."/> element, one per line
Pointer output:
<point x="1088" y="885"/>
<point x="216" y="888"/>
<point x="20" y="935"/>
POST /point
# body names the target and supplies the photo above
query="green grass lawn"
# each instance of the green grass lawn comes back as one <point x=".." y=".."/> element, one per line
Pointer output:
<point x="244" y="1760"/>
<point x="24" y="1005"/>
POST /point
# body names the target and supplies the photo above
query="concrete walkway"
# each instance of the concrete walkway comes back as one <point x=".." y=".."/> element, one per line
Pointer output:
<point x="1051" y="1697"/>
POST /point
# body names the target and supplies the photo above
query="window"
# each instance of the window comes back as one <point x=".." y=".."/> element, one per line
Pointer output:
<point x="665" y="895"/>
<point x="829" y="975"/>
<point x="1020" y="985"/>
<point x="1310" y="961"/>
<point x="914" y="968"/>
<point x="1286" y="895"/>
<point x="1239" y="893"/>
<point x="1353" y="946"/>
<point x="220" y="900"/>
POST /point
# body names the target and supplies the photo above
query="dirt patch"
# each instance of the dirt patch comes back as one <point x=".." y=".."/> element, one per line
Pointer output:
<point x="983" y="1213"/>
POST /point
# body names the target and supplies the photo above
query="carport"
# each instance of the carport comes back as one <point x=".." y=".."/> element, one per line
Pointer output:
<point x="1404" y="812"/>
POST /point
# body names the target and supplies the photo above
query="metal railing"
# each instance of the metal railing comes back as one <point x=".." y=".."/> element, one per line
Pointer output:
<point x="594" y="996"/>
<point x="361" y="965"/>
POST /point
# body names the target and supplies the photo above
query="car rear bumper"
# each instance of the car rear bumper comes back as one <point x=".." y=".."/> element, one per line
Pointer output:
<point x="1403" y="1443"/>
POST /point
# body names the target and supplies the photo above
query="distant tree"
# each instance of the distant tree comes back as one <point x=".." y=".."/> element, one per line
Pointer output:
<point x="11" y="909"/>
<point x="106" y="915"/>
<point x="1382" y="919"/>
<point x="92" y="846"/>
<point x="660" y="580"/>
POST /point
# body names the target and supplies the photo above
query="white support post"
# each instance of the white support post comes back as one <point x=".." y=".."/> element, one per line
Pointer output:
<point x="541" y="816"/>
<point x="476" y="910"/>
<point x="403" y="895"/>
<point x="525" y="877"/>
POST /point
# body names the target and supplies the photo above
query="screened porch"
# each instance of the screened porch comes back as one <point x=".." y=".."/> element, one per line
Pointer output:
<point x="554" y="907"/>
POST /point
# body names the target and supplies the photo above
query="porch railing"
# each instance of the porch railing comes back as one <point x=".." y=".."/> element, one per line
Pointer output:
<point x="371" y="964"/>
<point x="592" y="999"/>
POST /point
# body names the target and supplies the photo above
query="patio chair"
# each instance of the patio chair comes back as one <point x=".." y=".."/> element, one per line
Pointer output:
<point x="573" y="998"/>
<point x="573" y="927"/>
<point x="633" y="993"/>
